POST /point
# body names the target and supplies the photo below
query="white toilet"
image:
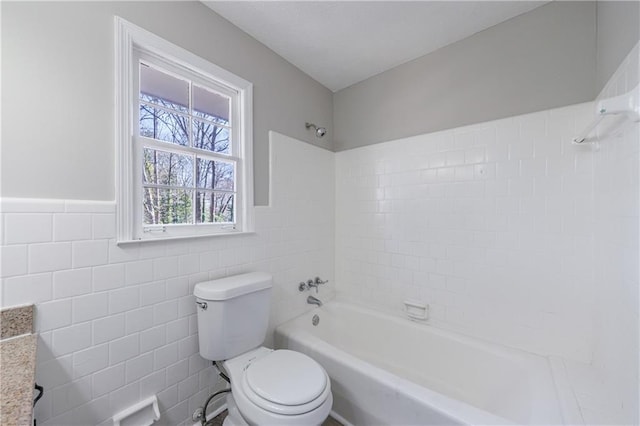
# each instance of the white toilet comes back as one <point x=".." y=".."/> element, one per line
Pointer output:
<point x="268" y="387"/>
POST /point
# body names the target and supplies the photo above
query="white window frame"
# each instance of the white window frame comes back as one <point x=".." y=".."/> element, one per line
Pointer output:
<point x="130" y="40"/>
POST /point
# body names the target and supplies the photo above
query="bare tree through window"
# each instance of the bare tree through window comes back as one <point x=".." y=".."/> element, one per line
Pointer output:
<point x="182" y="185"/>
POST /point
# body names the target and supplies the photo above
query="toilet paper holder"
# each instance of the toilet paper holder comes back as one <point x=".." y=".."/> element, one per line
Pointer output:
<point x="143" y="413"/>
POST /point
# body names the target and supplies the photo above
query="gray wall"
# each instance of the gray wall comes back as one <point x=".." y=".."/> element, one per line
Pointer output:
<point x="618" y="32"/>
<point x="539" y="60"/>
<point x="57" y="91"/>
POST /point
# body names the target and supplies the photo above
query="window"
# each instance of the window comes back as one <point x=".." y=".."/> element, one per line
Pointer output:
<point x="184" y="148"/>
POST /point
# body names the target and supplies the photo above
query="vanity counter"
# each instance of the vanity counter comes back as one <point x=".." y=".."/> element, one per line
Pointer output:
<point x="17" y="368"/>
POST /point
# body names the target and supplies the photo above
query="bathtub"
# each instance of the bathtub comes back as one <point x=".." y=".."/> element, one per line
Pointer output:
<point x="389" y="370"/>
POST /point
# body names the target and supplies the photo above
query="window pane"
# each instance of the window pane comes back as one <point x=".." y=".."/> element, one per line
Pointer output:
<point x="214" y="208"/>
<point x="163" y="89"/>
<point x="167" y="168"/>
<point x="210" y="105"/>
<point x="215" y="175"/>
<point x="163" y="125"/>
<point x="167" y="206"/>
<point x="211" y="137"/>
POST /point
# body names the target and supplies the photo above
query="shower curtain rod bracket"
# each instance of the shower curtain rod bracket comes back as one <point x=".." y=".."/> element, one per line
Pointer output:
<point x="627" y="105"/>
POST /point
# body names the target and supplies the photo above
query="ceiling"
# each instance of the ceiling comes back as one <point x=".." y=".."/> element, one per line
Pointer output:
<point x="340" y="43"/>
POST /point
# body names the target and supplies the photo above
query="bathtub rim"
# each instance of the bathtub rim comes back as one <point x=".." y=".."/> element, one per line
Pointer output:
<point x="472" y="413"/>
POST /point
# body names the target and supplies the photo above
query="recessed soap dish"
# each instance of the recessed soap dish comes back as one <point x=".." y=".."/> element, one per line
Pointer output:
<point x="416" y="310"/>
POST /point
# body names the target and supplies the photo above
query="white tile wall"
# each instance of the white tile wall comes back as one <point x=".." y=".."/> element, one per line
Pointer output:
<point x="614" y="399"/>
<point x="508" y="231"/>
<point x="490" y="224"/>
<point x="118" y="323"/>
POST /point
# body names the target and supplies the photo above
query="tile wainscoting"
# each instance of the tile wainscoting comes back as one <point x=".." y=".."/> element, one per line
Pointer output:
<point x="117" y="323"/>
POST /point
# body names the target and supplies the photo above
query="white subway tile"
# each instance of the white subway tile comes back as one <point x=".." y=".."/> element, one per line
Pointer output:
<point x="90" y="253"/>
<point x="188" y="264"/>
<point x="70" y="283"/>
<point x="108" y="328"/>
<point x="124" y="349"/>
<point x="195" y="400"/>
<point x="121" y="398"/>
<point x="474" y="156"/>
<point x="166" y="267"/>
<point x="49" y="257"/>
<point x="90" y="360"/>
<point x="27" y="228"/>
<point x="197" y="363"/>
<point x="108" y="277"/>
<point x="193" y="324"/>
<point x="177" y="287"/>
<point x="463" y="173"/>
<point x="168" y="397"/>
<point x="138" y="272"/>
<point x="152" y="384"/>
<point x="53" y="315"/>
<point x="138" y="367"/>
<point x="55" y="372"/>
<point x="187" y="387"/>
<point x="153" y="250"/>
<point x="166" y="355"/>
<point x="107" y="380"/>
<point x="186" y="306"/>
<point x="479" y="212"/>
<point x="178" y="371"/>
<point x="123" y="299"/>
<point x="177" y="248"/>
<point x="139" y="319"/>
<point x="71" y="227"/>
<point x="71" y="395"/>
<point x="152" y="293"/>
<point x="26" y="289"/>
<point x="177" y="330"/>
<point x="464" y="139"/>
<point x="152" y="338"/>
<point x="125" y="253"/>
<point x="71" y="339"/>
<point x="165" y="312"/>
<point x="94" y="412"/>
<point x="43" y="351"/>
<point x="103" y="226"/>
<point x="65" y="418"/>
<point x="188" y="346"/>
<point x="13" y="260"/>
<point x="177" y="412"/>
<point x="90" y="306"/>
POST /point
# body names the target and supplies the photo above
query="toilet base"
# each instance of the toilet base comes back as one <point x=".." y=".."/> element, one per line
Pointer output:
<point x="234" y="418"/>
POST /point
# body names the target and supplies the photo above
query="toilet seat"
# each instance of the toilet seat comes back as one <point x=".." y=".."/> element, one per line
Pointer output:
<point x="285" y="382"/>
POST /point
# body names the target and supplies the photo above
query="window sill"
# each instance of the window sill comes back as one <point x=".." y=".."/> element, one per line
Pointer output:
<point x="179" y="238"/>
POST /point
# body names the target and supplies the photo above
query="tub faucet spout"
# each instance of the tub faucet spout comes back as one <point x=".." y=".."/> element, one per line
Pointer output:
<point x="314" y="301"/>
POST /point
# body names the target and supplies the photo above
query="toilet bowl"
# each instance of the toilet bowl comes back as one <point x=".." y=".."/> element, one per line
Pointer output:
<point x="268" y="387"/>
<point x="279" y="387"/>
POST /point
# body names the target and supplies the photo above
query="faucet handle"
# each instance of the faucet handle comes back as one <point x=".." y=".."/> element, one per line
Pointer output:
<point x="318" y="281"/>
<point x="311" y="284"/>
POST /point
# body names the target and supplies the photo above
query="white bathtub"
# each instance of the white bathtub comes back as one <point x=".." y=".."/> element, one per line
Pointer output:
<point x="389" y="370"/>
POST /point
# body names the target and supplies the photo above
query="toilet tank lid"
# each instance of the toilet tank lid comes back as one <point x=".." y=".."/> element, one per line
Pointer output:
<point x="234" y="286"/>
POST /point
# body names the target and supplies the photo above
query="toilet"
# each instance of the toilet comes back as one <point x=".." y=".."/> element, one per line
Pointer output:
<point x="268" y="387"/>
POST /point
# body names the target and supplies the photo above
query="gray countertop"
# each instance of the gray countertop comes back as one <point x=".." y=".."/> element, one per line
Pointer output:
<point x="17" y="365"/>
<point x="17" y="369"/>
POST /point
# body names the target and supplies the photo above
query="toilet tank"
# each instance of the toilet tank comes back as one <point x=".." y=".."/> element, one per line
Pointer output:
<point x="233" y="314"/>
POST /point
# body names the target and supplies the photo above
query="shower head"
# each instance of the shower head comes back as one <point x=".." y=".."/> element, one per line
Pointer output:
<point x="320" y="131"/>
